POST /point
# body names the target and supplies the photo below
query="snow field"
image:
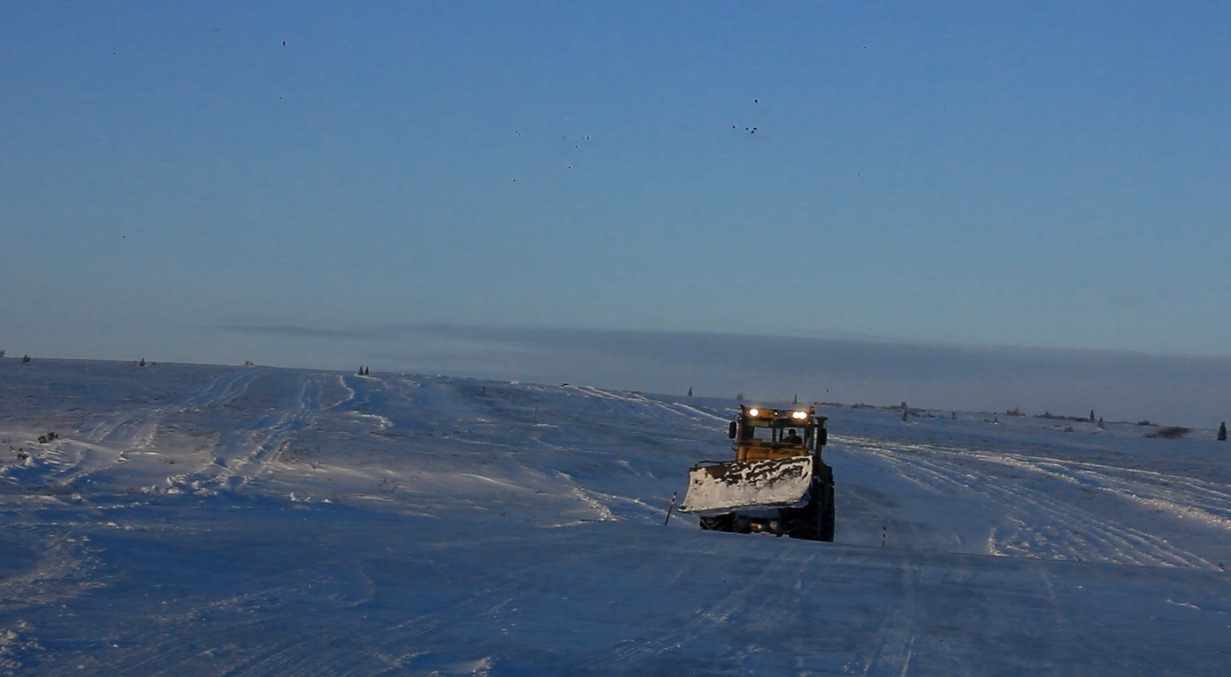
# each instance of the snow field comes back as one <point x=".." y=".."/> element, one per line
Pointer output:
<point x="246" y="520"/>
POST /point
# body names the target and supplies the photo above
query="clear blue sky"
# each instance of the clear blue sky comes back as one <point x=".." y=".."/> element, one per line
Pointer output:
<point x="1042" y="174"/>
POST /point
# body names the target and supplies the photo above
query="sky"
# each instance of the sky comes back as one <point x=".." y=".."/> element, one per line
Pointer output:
<point x="179" y="180"/>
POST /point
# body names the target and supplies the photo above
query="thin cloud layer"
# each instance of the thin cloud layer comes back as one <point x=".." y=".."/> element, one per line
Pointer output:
<point x="1115" y="385"/>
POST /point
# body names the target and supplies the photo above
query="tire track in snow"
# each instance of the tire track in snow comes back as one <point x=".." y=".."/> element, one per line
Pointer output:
<point x="1043" y="524"/>
<point x="1183" y="497"/>
<point x="137" y="428"/>
<point x="108" y="443"/>
<point x="64" y="569"/>
<point x="741" y="594"/>
<point x="1112" y="539"/>
<point x="498" y="602"/>
<point x="247" y="454"/>
<point x="673" y="410"/>
<point x="898" y="631"/>
<point x="230" y="636"/>
<point x="641" y="419"/>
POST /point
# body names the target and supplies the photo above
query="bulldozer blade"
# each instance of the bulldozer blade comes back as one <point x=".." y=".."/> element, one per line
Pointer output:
<point x="748" y="485"/>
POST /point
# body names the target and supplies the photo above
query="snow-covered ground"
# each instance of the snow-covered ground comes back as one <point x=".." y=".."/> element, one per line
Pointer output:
<point x="248" y="520"/>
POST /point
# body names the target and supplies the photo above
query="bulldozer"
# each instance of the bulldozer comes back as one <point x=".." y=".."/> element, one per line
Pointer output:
<point x="777" y="483"/>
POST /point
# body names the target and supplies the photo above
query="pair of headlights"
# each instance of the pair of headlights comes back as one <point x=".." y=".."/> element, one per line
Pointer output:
<point x="797" y="415"/>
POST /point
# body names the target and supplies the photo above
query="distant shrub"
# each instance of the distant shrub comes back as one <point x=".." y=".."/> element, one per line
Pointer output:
<point x="1169" y="433"/>
<point x="1060" y="417"/>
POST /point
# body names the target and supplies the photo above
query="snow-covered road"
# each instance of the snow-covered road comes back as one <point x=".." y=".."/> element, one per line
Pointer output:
<point x="230" y="520"/>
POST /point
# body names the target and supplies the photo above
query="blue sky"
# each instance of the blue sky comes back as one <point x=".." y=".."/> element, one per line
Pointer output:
<point x="1047" y="175"/>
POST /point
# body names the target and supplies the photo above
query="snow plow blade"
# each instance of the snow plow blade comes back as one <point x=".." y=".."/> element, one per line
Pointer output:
<point x="748" y="485"/>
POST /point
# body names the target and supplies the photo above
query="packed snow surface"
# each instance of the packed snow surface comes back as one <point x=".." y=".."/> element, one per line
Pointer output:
<point x="211" y="520"/>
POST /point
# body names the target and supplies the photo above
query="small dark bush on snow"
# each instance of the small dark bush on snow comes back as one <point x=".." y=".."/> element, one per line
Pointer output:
<point x="1169" y="433"/>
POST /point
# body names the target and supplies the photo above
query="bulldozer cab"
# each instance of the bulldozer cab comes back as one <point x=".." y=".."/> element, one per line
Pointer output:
<point x="759" y="433"/>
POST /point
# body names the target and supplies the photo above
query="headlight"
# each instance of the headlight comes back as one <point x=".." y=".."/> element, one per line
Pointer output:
<point x="799" y="415"/>
<point x="754" y="412"/>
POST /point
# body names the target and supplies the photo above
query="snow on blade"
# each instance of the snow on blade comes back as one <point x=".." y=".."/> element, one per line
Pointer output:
<point x="749" y="485"/>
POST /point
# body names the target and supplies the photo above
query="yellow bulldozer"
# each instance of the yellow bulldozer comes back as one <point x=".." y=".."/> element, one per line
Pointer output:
<point x="777" y="483"/>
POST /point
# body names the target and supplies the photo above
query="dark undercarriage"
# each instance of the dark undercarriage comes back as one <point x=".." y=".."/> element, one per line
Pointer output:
<point x="814" y="521"/>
